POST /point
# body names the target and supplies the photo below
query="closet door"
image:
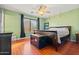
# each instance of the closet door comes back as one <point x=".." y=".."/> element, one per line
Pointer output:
<point x="27" y="27"/>
<point x="34" y="25"/>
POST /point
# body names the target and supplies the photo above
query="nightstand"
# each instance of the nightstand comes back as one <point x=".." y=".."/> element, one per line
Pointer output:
<point x="77" y="37"/>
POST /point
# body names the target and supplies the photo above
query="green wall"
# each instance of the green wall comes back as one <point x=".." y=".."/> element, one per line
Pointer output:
<point x="12" y="23"/>
<point x="70" y="18"/>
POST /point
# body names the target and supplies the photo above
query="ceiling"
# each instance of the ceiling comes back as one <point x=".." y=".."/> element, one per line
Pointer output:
<point x="31" y="9"/>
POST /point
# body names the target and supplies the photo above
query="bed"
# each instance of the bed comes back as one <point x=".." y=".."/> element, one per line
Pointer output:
<point x="63" y="37"/>
<point x="58" y="35"/>
<point x="61" y="32"/>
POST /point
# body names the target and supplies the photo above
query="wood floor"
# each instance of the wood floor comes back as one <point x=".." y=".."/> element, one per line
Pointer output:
<point x="23" y="47"/>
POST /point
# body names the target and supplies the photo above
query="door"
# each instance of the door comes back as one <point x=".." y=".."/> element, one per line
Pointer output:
<point x="30" y="26"/>
<point x="27" y="27"/>
<point x="34" y="25"/>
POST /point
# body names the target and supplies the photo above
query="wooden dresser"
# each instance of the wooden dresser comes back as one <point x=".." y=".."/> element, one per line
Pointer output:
<point x="77" y="37"/>
<point x="5" y="43"/>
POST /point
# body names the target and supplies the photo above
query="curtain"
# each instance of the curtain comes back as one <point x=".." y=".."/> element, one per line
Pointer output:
<point x="38" y="21"/>
<point x="22" y="34"/>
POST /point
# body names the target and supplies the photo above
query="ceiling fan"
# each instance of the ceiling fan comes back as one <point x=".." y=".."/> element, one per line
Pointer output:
<point x="41" y="10"/>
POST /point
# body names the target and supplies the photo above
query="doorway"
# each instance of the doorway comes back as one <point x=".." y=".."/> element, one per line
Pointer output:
<point x="30" y="25"/>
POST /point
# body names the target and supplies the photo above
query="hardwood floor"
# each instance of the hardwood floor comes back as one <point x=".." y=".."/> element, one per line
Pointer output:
<point x="23" y="47"/>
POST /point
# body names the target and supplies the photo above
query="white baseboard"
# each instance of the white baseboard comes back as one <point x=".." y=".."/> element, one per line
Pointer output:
<point x="14" y="39"/>
<point x="73" y="40"/>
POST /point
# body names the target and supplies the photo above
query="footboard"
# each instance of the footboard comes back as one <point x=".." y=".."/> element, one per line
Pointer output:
<point x="52" y="35"/>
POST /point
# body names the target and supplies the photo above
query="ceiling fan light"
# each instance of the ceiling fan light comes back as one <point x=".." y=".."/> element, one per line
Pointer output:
<point x="42" y="10"/>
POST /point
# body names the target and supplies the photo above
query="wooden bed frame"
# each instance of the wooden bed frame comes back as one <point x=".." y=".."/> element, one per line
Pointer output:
<point x="55" y="43"/>
<point x="54" y="38"/>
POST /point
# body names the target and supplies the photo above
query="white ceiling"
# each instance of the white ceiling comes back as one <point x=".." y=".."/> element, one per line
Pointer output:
<point x="31" y="9"/>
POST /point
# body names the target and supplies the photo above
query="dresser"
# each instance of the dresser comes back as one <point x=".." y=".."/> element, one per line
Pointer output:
<point x="77" y="37"/>
<point x="5" y="43"/>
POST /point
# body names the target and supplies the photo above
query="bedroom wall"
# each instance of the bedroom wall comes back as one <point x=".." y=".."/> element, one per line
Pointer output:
<point x="12" y="23"/>
<point x="70" y="18"/>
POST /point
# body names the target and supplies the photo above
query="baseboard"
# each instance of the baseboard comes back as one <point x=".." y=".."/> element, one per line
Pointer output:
<point x="73" y="40"/>
<point x="15" y="39"/>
